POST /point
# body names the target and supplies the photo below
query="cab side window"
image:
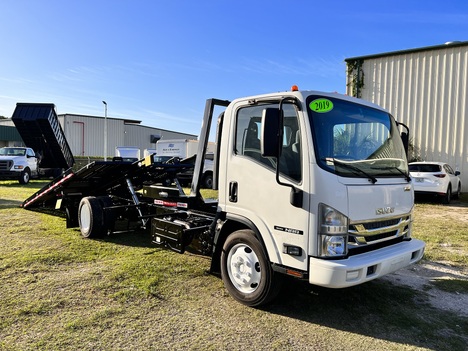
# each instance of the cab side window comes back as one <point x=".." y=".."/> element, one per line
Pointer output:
<point x="248" y="127"/>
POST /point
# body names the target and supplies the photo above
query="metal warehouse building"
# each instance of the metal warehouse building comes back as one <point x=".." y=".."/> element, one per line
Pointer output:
<point x="85" y="134"/>
<point x="425" y="88"/>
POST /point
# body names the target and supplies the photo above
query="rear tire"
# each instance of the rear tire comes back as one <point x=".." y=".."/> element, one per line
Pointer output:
<point x="246" y="271"/>
<point x="457" y="194"/>
<point x="448" y="196"/>
<point x="208" y="181"/>
<point x="91" y="218"/>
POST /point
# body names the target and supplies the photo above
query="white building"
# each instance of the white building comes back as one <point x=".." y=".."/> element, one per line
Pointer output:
<point x="85" y="134"/>
<point x="425" y="88"/>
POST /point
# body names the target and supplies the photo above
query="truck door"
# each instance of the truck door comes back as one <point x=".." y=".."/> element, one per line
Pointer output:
<point x="254" y="193"/>
<point x="32" y="161"/>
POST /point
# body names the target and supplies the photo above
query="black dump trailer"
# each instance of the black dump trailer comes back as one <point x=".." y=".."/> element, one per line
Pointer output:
<point x="113" y="188"/>
<point x="98" y="194"/>
<point x="110" y="196"/>
<point x="39" y="127"/>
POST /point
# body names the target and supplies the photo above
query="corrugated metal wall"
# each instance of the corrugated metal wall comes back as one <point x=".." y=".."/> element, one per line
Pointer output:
<point x="9" y="133"/>
<point x="427" y="90"/>
<point x="85" y="135"/>
<point x="145" y="137"/>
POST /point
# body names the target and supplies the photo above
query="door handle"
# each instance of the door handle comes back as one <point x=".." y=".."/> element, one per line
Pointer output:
<point x="233" y="191"/>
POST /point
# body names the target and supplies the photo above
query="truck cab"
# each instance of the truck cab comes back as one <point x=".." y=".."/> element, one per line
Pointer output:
<point x="316" y="184"/>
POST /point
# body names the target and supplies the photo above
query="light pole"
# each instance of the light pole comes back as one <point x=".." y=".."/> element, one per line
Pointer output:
<point x="105" y="130"/>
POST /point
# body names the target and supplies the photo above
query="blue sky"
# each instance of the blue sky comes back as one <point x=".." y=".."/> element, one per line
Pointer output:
<point x="158" y="61"/>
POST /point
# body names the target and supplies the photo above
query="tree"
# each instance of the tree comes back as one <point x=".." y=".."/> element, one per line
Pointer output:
<point x="414" y="154"/>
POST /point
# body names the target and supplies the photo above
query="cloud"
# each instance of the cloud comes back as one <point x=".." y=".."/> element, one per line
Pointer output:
<point x="16" y="80"/>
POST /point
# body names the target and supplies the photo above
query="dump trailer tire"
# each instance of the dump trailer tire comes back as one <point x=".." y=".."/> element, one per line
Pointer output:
<point x="108" y="216"/>
<point x="246" y="272"/>
<point x="71" y="213"/>
<point x="91" y="218"/>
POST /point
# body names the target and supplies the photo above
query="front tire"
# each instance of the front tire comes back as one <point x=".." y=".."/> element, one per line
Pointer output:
<point x="246" y="271"/>
<point x="25" y="176"/>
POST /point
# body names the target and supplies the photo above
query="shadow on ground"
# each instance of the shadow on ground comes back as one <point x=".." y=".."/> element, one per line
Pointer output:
<point x="4" y="204"/>
<point x="396" y="313"/>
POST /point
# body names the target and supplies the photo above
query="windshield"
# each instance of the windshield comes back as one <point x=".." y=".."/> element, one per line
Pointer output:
<point x="10" y="151"/>
<point x="354" y="140"/>
<point x="161" y="159"/>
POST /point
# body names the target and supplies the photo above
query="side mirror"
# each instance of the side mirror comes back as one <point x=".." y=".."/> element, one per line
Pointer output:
<point x="405" y="140"/>
<point x="271" y="132"/>
<point x="404" y="137"/>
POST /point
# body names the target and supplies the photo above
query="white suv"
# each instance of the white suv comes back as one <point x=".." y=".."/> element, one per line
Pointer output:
<point x="436" y="178"/>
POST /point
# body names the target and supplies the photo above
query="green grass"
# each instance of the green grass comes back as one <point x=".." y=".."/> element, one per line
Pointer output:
<point x="60" y="291"/>
<point x="444" y="234"/>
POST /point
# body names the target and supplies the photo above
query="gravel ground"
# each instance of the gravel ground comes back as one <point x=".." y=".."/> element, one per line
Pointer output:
<point x="420" y="276"/>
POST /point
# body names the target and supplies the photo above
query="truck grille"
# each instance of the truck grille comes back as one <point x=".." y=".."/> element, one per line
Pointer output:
<point x="374" y="232"/>
<point x="6" y="165"/>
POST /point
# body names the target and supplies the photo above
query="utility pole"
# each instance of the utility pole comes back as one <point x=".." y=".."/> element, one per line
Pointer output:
<point x="105" y="130"/>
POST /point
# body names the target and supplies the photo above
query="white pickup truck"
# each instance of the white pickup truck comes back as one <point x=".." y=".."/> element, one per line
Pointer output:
<point x="18" y="163"/>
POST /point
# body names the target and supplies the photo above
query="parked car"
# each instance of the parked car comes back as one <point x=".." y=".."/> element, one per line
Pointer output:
<point x="164" y="159"/>
<point x="185" y="177"/>
<point x="435" y="178"/>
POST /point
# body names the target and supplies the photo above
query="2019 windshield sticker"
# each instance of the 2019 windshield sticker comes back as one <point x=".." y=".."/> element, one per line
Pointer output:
<point x="321" y="105"/>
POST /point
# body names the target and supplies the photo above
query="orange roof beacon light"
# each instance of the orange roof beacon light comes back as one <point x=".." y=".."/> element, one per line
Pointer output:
<point x="294" y="88"/>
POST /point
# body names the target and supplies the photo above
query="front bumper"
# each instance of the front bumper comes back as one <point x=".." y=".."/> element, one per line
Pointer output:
<point x="9" y="174"/>
<point x="361" y="268"/>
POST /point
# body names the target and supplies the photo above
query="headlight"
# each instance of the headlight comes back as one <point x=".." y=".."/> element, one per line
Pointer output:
<point x="333" y="245"/>
<point x="333" y="232"/>
<point x="19" y="167"/>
